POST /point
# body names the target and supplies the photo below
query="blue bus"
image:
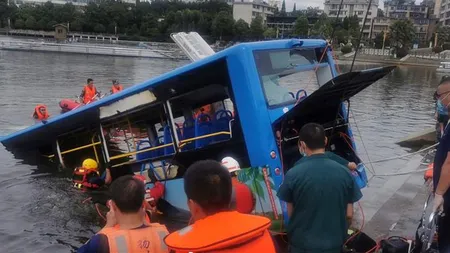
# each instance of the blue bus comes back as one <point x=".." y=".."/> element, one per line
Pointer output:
<point x="247" y="102"/>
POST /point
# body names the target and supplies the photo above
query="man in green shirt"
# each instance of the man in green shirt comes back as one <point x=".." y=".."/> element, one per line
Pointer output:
<point x="319" y="193"/>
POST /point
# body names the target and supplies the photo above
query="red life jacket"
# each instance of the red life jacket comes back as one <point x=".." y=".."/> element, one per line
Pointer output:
<point x="243" y="199"/>
<point x="38" y="114"/>
<point x="81" y="178"/>
<point x="89" y="94"/>
<point x="115" y="90"/>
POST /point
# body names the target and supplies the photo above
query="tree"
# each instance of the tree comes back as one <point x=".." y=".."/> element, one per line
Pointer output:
<point x="31" y="23"/>
<point x="301" y="26"/>
<point x="241" y="29"/>
<point x="322" y="27"/>
<point x="380" y="13"/>
<point x="270" y="33"/>
<point x="402" y="32"/>
<point x="222" y="24"/>
<point x="19" y="24"/>
<point x="256" y="27"/>
<point x="312" y="11"/>
<point x="99" y="28"/>
<point x="379" y="41"/>
<point x="443" y="34"/>
<point x="294" y="9"/>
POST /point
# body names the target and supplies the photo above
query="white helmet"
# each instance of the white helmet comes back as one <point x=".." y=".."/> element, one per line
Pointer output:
<point x="231" y="164"/>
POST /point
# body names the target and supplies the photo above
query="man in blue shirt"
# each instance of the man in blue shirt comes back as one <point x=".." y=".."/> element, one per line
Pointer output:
<point x="319" y="193"/>
<point x="441" y="175"/>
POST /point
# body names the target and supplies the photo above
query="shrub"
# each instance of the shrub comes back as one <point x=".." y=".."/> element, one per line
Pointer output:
<point x="402" y="52"/>
<point x="446" y="46"/>
<point x="346" y="49"/>
<point x="437" y="49"/>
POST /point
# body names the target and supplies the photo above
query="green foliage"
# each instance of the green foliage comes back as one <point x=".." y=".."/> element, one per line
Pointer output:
<point x="346" y="49"/>
<point x="402" y="33"/>
<point x="322" y="27"/>
<point x="241" y="29"/>
<point x="256" y="27"/>
<point x="402" y="52"/>
<point x="222" y="24"/>
<point x="443" y="34"/>
<point x="446" y="46"/>
<point x="301" y="26"/>
<point x="437" y="49"/>
<point x="31" y="23"/>
<point x="379" y="40"/>
<point x="270" y="33"/>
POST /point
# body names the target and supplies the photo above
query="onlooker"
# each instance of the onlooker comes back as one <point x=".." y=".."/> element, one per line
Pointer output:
<point x="217" y="229"/>
<point x="441" y="175"/>
<point x="126" y="229"/>
<point x="441" y="114"/>
<point x="320" y="194"/>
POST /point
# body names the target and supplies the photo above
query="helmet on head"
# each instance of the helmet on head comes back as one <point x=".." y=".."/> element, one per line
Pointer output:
<point x="90" y="164"/>
<point x="231" y="164"/>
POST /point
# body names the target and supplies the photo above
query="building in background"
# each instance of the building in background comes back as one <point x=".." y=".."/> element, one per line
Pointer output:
<point x="247" y="11"/>
<point x="284" y="25"/>
<point x="392" y="9"/>
<point x="351" y="8"/>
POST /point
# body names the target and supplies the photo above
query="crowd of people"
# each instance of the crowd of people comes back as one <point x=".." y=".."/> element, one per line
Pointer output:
<point x="319" y="191"/>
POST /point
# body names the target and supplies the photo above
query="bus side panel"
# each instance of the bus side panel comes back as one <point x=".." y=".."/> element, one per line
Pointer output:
<point x="254" y="117"/>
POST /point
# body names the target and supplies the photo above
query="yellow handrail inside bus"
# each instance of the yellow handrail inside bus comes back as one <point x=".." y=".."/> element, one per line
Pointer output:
<point x="204" y="136"/>
<point x="82" y="147"/>
<point x="140" y="151"/>
<point x="95" y="150"/>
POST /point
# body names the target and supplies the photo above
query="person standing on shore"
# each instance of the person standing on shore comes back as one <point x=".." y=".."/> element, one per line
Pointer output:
<point x="441" y="174"/>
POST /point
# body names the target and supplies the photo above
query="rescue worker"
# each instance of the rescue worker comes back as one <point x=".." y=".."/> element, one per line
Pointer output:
<point x="88" y="176"/>
<point x="126" y="229"/>
<point x="441" y="175"/>
<point x="217" y="229"/>
<point x="242" y="199"/>
<point x="89" y="92"/>
<point x="319" y="193"/>
<point x="41" y="112"/>
<point x="116" y="87"/>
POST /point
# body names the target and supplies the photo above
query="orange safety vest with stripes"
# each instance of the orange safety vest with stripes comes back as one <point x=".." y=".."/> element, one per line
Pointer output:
<point x="115" y="89"/>
<point x="141" y="240"/>
<point x="89" y="94"/>
<point x="243" y="233"/>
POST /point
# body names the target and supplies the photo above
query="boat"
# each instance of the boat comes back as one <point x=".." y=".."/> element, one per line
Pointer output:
<point x="68" y="104"/>
<point x="444" y="67"/>
<point x="254" y="118"/>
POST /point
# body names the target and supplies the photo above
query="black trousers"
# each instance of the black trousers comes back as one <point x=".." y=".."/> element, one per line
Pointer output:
<point x="444" y="231"/>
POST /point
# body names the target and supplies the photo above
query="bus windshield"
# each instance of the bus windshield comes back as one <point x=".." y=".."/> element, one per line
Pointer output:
<point x="283" y="73"/>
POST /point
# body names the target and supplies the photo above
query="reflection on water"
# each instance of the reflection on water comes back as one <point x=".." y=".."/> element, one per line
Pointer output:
<point x="44" y="214"/>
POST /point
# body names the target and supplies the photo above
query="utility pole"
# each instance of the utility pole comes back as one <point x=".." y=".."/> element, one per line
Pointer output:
<point x="9" y="19"/>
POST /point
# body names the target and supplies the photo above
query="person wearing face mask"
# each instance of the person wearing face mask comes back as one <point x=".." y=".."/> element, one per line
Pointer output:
<point x="441" y="175"/>
<point x="319" y="193"/>
<point x="441" y="114"/>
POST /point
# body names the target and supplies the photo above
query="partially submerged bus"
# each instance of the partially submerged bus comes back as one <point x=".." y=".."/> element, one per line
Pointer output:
<point x="257" y="96"/>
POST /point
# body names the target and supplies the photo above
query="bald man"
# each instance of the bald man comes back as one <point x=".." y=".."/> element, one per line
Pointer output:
<point x="441" y="172"/>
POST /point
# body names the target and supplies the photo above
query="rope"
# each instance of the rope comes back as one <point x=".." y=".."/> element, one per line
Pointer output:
<point x="403" y="156"/>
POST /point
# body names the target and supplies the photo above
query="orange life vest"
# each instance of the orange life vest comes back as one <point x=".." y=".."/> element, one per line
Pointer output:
<point x="81" y="178"/>
<point x="242" y="197"/>
<point x="429" y="172"/>
<point x="89" y="94"/>
<point x="37" y="113"/>
<point x="141" y="240"/>
<point x="115" y="90"/>
<point x="243" y="233"/>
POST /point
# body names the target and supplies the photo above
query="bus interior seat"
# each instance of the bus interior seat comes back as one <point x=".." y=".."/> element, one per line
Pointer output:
<point x="221" y="123"/>
<point x="203" y="128"/>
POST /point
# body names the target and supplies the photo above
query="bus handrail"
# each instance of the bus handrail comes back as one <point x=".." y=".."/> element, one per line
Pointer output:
<point x="140" y="151"/>
<point x="204" y="136"/>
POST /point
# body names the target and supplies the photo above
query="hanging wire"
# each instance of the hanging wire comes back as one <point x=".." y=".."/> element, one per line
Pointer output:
<point x="360" y="35"/>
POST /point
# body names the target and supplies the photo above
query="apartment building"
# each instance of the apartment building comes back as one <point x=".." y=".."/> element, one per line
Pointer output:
<point x="247" y="11"/>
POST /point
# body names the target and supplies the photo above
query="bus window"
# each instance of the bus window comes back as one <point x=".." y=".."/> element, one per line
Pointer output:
<point x="283" y="73"/>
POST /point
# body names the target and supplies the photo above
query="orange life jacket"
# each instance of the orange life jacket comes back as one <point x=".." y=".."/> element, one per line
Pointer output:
<point x="243" y="233"/>
<point x="141" y="240"/>
<point x="429" y="172"/>
<point x="243" y="197"/>
<point x="115" y="90"/>
<point x="81" y="178"/>
<point x="89" y="94"/>
<point x="37" y="113"/>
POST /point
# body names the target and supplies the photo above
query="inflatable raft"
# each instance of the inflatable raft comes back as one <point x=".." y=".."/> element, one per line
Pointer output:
<point x="68" y="105"/>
